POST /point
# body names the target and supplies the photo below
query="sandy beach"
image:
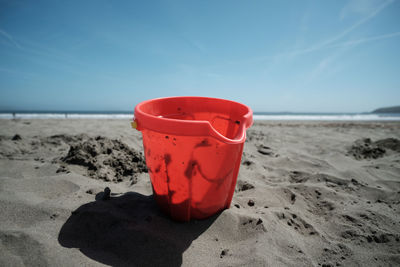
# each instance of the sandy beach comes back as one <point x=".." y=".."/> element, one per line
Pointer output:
<point x="76" y="192"/>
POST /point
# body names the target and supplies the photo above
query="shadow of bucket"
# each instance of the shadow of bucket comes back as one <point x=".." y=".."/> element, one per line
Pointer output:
<point x="129" y="230"/>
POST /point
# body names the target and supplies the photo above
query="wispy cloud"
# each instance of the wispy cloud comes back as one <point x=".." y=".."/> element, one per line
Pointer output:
<point x="359" y="7"/>
<point x="366" y="40"/>
<point x="323" y="65"/>
<point x="18" y="73"/>
<point x="197" y="45"/>
<point x="9" y="38"/>
<point x="54" y="58"/>
<point x="337" y="37"/>
<point x="329" y="43"/>
<point x="375" y="11"/>
<point x="327" y="61"/>
<point x="332" y="42"/>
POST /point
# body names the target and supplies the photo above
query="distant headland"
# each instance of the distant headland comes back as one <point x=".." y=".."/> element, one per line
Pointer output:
<point x="395" y="109"/>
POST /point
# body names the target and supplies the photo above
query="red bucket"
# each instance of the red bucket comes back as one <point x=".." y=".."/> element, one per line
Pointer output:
<point x="193" y="148"/>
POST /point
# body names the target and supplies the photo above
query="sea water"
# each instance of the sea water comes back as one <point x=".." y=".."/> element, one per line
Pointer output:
<point x="275" y="116"/>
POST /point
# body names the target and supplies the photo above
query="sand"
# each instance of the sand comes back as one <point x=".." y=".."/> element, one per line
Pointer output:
<point x="77" y="193"/>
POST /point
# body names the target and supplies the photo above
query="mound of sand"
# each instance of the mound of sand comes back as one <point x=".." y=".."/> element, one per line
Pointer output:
<point x="106" y="159"/>
<point x="366" y="149"/>
<point x="101" y="157"/>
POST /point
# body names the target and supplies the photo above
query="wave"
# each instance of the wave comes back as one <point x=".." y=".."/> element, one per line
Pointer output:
<point x="272" y="117"/>
<point x="63" y="116"/>
<point x="328" y="117"/>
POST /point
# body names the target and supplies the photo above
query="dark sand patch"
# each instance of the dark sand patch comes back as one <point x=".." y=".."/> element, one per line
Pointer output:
<point x="264" y="150"/>
<point x="389" y="143"/>
<point x="243" y="185"/>
<point x="366" y="149"/>
<point x="106" y="159"/>
<point x="16" y="137"/>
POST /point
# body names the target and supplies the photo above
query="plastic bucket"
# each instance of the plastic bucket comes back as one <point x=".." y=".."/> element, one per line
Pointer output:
<point x="193" y="148"/>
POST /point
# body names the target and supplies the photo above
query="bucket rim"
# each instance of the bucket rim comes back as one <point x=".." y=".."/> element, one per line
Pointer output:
<point x="189" y="127"/>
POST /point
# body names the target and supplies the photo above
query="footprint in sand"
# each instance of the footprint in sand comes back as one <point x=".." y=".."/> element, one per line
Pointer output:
<point x="297" y="223"/>
<point x="15" y="244"/>
<point x="298" y="177"/>
<point x="265" y="150"/>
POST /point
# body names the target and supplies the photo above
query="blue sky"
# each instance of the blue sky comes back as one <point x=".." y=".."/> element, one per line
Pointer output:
<point x="301" y="56"/>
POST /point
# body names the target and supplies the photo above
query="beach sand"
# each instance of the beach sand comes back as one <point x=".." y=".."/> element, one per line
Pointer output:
<point x="308" y="194"/>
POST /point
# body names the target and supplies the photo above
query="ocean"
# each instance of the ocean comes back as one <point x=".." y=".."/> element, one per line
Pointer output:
<point x="284" y="116"/>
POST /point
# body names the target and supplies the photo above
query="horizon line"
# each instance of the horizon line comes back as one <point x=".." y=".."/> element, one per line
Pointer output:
<point x="27" y="111"/>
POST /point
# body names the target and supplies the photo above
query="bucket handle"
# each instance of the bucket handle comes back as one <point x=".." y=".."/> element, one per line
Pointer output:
<point x="245" y="122"/>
